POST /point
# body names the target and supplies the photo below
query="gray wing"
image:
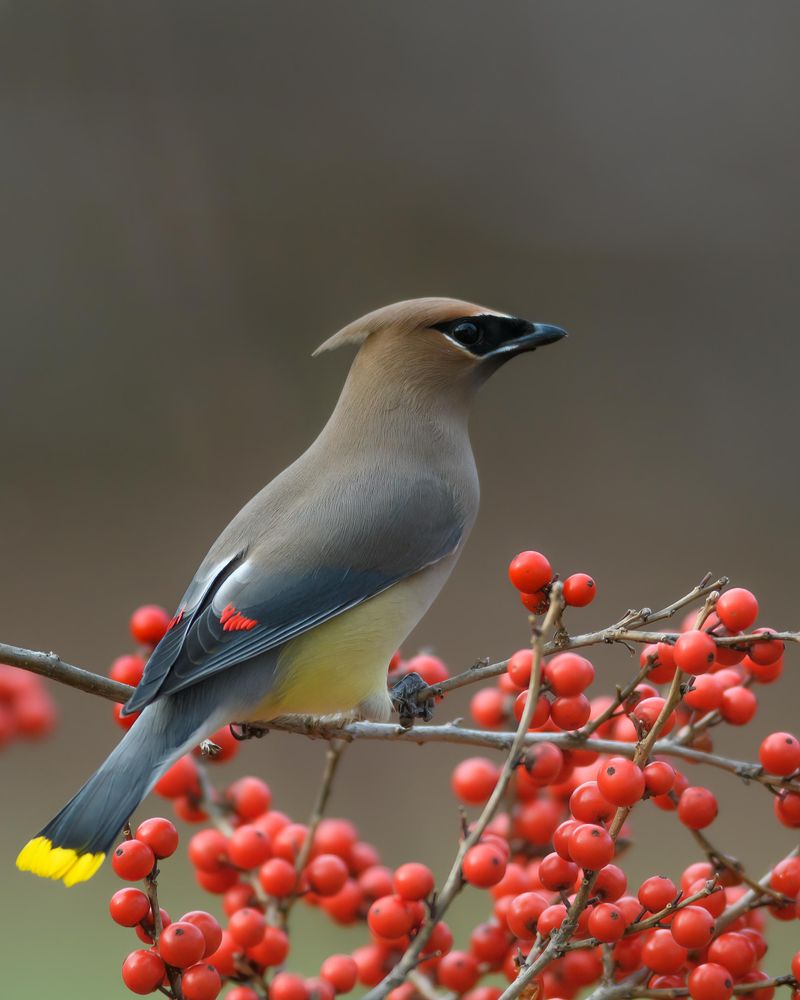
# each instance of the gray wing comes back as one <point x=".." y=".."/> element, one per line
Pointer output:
<point x="322" y="558"/>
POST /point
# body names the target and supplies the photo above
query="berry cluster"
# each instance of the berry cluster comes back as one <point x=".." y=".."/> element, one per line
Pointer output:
<point x="26" y="709"/>
<point x="560" y="915"/>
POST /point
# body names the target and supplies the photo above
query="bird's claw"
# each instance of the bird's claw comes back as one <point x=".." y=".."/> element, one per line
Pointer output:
<point x="247" y="731"/>
<point x="406" y="703"/>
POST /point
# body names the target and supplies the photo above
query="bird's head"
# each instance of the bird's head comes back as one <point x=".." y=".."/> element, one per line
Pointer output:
<point x="443" y="339"/>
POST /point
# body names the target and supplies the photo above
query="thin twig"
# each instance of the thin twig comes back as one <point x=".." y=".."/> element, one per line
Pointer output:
<point x="332" y="758"/>
<point x="749" y="898"/>
<point x="173" y="974"/>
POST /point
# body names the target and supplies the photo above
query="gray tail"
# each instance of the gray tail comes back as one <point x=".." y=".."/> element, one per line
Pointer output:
<point x="92" y="819"/>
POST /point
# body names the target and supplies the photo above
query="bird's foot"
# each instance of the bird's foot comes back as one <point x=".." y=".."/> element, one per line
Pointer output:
<point x="406" y="703"/>
<point x="248" y="730"/>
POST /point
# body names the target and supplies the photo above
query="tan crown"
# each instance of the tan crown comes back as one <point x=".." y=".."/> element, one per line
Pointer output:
<point x="411" y="314"/>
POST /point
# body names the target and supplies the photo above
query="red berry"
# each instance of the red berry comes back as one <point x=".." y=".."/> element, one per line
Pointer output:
<point x="145" y="930"/>
<point x="579" y="590"/>
<point x="389" y="917"/>
<point x="568" y="674"/>
<point x="458" y="971"/>
<point x="224" y="958"/>
<point x="785" y="877"/>
<point x="621" y="781"/>
<point x="542" y="764"/>
<point x="551" y="919"/>
<point x="340" y="971"/>
<point x="377" y="881"/>
<point x="473" y="780"/>
<point x="127" y="669"/>
<point x="738" y="705"/>
<point x="767" y="650"/>
<point x="779" y="753"/>
<point x="250" y="797"/>
<point x="430" y="668"/>
<point x="540" y="714"/>
<point x="142" y="971"/>
<point x="148" y="624"/>
<point x="160" y="836"/>
<point x="326" y="874"/>
<point x="271" y="950"/>
<point x="520" y="665"/>
<point x="556" y="874"/>
<point x="607" y="922"/>
<point x="208" y="850"/>
<point x="530" y="571"/>
<point x="249" y="846"/>
<point x="180" y="779"/>
<point x="413" y="881"/>
<point x="659" y="777"/>
<point x="589" y="805"/>
<point x="537" y="821"/>
<point x="484" y="865"/>
<point x="657" y="892"/>
<point x="209" y="928"/>
<point x="289" y="840"/>
<point x="787" y="808"/>
<point x="647" y="712"/>
<point x="706" y="693"/>
<point x="489" y="943"/>
<point x="710" y="982"/>
<point x="736" y="952"/>
<point x="767" y="992"/>
<point x="523" y="914"/>
<point x="201" y="982"/>
<point x="610" y="884"/>
<point x="488" y="708"/>
<point x="320" y="989"/>
<point x="695" y="651"/>
<point x="662" y="953"/>
<point x="247" y="926"/>
<point x="217" y="882"/>
<point x="362" y="856"/>
<point x="661" y="657"/>
<point x="737" y="609"/>
<point x="764" y="673"/>
<point x="288" y="986"/>
<point x="241" y="993"/>
<point x="697" y="808"/>
<point x="277" y="877"/>
<point x="692" y="927"/>
<point x="591" y="847"/>
<point x="571" y="713"/>
<point x="132" y="860"/>
<point x="181" y="944"/>
<point x="128" y="907"/>
<point x="536" y="603"/>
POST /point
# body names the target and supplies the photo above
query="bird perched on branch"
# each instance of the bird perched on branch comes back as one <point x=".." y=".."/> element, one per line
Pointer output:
<point x="304" y="597"/>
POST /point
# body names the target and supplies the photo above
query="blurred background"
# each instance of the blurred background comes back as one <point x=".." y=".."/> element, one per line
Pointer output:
<point x="194" y="195"/>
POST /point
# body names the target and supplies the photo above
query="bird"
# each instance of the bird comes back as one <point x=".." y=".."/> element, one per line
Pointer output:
<point x="303" y="599"/>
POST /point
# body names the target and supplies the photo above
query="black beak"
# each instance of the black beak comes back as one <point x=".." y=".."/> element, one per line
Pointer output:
<point x="534" y="335"/>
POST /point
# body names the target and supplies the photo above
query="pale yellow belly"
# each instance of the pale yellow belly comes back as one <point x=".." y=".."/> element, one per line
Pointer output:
<point x="340" y="667"/>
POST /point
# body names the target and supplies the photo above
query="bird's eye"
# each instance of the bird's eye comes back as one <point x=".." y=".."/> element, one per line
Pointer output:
<point x="467" y="334"/>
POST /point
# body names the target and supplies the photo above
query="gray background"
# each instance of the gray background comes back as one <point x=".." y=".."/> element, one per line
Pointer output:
<point x="194" y="195"/>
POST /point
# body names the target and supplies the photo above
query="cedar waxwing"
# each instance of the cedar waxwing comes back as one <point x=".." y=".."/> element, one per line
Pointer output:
<point x="305" y="596"/>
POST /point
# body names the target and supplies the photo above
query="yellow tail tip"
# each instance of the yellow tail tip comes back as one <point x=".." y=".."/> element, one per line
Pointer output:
<point x="40" y="857"/>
